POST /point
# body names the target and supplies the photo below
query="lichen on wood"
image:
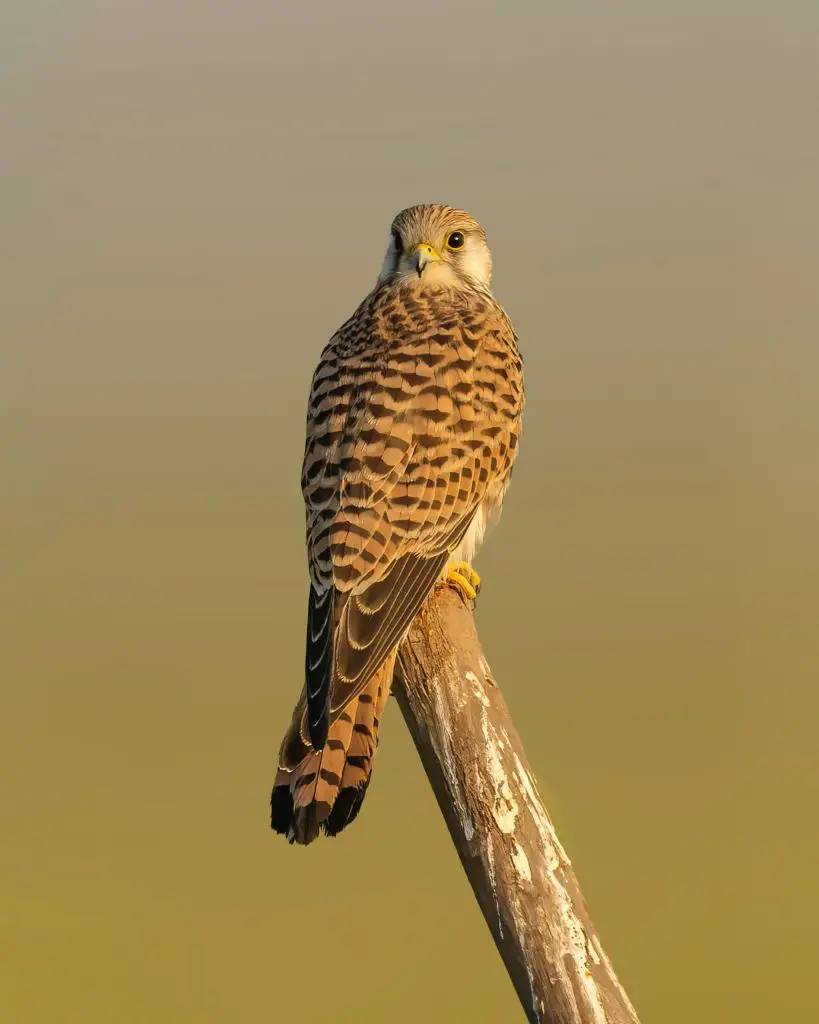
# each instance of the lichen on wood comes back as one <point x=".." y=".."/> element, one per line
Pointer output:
<point x="506" y="841"/>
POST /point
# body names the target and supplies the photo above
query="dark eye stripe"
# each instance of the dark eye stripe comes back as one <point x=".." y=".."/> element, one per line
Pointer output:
<point x="396" y="241"/>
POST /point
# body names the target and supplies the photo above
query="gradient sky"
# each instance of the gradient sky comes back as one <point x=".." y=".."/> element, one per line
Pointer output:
<point x="193" y="196"/>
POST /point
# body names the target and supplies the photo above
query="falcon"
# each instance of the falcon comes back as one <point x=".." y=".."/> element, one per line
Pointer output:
<point x="412" y="429"/>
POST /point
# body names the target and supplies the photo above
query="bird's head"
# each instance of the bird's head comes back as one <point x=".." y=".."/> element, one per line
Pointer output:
<point x="439" y="246"/>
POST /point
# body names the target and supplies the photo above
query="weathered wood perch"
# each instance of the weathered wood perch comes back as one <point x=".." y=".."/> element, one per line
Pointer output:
<point x="506" y="841"/>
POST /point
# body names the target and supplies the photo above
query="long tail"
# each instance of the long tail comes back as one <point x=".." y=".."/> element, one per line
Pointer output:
<point x="324" y="789"/>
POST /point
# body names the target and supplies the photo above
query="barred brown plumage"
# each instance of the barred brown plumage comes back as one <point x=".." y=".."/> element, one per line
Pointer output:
<point x="412" y="429"/>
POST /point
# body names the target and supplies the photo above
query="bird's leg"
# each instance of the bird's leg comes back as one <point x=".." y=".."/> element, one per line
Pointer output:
<point x="463" y="577"/>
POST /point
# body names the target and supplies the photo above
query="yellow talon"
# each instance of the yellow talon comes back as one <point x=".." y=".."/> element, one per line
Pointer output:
<point x="462" y="576"/>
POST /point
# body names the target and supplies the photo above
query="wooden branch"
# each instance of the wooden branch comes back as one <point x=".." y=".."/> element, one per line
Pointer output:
<point x="519" y="872"/>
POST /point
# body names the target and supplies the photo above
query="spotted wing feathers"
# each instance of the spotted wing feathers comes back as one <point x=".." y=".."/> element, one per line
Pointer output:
<point x="412" y="430"/>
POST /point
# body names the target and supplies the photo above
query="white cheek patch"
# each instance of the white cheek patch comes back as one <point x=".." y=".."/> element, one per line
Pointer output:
<point x="475" y="261"/>
<point x="440" y="273"/>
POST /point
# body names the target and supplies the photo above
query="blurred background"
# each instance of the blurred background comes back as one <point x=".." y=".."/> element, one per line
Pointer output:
<point x="193" y="196"/>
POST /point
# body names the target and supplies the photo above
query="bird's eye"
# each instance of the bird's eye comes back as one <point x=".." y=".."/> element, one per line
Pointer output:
<point x="398" y="245"/>
<point x="455" y="241"/>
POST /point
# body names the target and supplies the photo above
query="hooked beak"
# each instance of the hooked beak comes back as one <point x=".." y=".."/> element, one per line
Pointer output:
<point x="422" y="254"/>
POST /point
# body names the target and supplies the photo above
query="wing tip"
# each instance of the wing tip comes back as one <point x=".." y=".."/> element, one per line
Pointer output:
<point x="318" y="730"/>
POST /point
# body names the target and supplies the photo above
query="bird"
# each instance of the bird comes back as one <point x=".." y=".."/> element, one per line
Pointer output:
<point x="413" y="423"/>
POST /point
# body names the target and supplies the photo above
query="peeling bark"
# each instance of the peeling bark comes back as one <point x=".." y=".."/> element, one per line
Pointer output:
<point x="519" y="872"/>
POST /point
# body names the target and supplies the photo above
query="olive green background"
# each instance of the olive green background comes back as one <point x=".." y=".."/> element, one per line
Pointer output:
<point x="193" y="195"/>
